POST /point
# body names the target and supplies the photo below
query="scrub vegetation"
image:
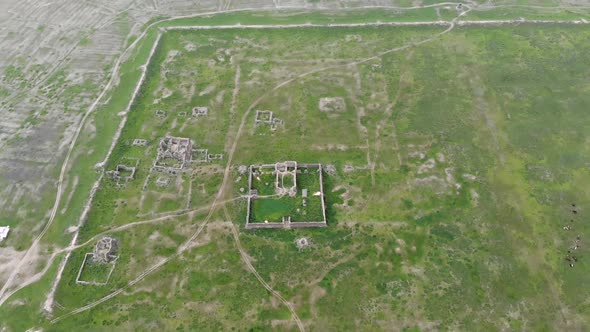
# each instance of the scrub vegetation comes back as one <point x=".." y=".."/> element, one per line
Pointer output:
<point x="455" y="180"/>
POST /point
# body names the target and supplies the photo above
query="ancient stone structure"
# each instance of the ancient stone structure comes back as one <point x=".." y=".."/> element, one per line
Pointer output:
<point x="174" y="153"/>
<point x="263" y="117"/>
<point x="162" y="181"/>
<point x="215" y="156"/>
<point x="267" y="118"/>
<point x="200" y="112"/>
<point x="104" y="253"/>
<point x="200" y="156"/>
<point x="331" y="169"/>
<point x="105" y="250"/>
<point x="139" y="142"/>
<point x="276" y="122"/>
<point x="285" y="172"/>
<point x="122" y="174"/>
<point x="286" y="178"/>
<point x="302" y="243"/>
<point x="242" y="169"/>
<point x="332" y="104"/>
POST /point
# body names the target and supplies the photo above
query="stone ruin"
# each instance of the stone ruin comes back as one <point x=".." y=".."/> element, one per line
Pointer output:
<point x="176" y="149"/>
<point x="332" y="104"/>
<point x="118" y="174"/>
<point x="160" y="113"/>
<point x="200" y="156"/>
<point x="242" y="169"/>
<point x="276" y="122"/>
<point x="162" y="181"/>
<point x="331" y="169"/>
<point x="302" y="243"/>
<point x="215" y="156"/>
<point x="200" y="112"/>
<point x="267" y="117"/>
<point x="203" y="156"/>
<point x="105" y="250"/>
<point x="286" y="171"/>
<point x="139" y="142"/>
<point x="104" y="253"/>
<point x="263" y="117"/>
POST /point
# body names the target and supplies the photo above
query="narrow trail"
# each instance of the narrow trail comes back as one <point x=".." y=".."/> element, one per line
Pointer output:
<point x="264" y="283"/>
<point x="48" y="305"/>
<point x="452" y="24"/>
<point x="236" y="91"/>
<point x="72" y="247"/>
<point x="252" y="269"/>
<point x="317" y="70"/>
<point x="235" y="232"/>
<point x="32" y="279"/>
<point x="113" y="77"/>
<point x="231" y="153"/>
<point x="60" y="181"/>
<point x="148" y="221"/>
<point x="182" y="248"/>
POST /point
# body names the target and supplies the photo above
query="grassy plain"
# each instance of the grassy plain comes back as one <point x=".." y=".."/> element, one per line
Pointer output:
<point x="297" y="207"/>
<point x="457" y="163"/>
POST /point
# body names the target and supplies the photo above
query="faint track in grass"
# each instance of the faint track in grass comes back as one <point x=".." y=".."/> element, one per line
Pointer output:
<point x="113" y="75"/>
<point x="231" y="153"/>
<point x="451" y="25"/>
<point x="147" y="222"/>
<point x="264" y="283"/>
<point x="182" y="248"/>
<point x="252" y="269"/>
<point x="385" y="118"/>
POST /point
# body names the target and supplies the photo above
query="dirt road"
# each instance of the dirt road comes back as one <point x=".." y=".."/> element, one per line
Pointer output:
<point x="227" y="171"/>
<point x="449" y="24"/>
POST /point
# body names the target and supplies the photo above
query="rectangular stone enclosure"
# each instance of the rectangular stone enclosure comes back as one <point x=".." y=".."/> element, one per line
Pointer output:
<point x="174" y="153"/>
<point x="285" y="195"/>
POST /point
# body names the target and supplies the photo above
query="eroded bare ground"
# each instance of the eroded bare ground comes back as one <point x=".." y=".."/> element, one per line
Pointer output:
<point x="54" y="59"/>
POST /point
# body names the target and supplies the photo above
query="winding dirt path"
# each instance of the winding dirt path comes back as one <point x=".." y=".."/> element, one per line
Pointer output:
<point x="231" y="153"/>
<point x="145" y="273"/>
<point x="48" y="304"/>
<point x="251" y="268"/>
<point x="116" y="68"/>
<point x="169" y="217"/>
<point x="451" y="24"/>
<point x="72" y="247"/>
<point x="59" y="185"/>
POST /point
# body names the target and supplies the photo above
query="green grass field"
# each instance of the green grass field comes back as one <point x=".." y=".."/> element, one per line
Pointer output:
<point x="97" y="273"/>
<point x="271" y="209"/>
<point x="276" y="208"/>
<point x="456" y="165"/>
